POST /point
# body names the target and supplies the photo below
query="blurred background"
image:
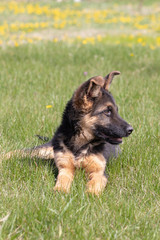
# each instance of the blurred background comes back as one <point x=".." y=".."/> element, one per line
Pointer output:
<point x="82" y="21"/>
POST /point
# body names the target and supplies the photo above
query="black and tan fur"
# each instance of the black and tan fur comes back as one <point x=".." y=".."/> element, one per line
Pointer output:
<point x="89" y="134"/>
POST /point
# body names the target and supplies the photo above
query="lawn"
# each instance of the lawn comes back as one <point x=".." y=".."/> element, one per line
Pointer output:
<point x="37" y="78"/>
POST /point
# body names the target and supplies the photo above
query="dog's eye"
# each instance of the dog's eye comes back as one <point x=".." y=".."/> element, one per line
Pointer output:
<point x="108" y="111"/>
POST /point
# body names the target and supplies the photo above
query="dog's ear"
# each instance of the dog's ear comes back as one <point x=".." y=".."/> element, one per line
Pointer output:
<point x="85" y="95"/>
<point x="108" y="79"/>
<point x="94" y="87"/>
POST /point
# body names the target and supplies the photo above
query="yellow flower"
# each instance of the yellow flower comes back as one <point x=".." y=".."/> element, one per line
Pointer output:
<point x="132" y="54"/>
<point x="131" y="36"/>
<point x="16" y="44"/>
<point x="158" y="41"/>
<point x="30" y="40"/>
<point x="99" y="38"/>
<point x="143" y="44"/>
<point x="49" y="106"/>
<point x="55" y="40"/>
<point x="139" y="40"/>
<point x="84" y="41"/>
<point x="79" y="37"/>
<point x="152" y="47"/>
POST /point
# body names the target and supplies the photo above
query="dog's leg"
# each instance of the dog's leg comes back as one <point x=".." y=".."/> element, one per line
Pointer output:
<point x="94" y="166"/>
<point x="65" y="164"/>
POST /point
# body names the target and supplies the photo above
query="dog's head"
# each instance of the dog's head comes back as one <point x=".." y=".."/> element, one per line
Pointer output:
<point x="99" y="111"/>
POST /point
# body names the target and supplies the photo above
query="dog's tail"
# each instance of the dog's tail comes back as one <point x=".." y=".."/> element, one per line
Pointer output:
<point x="44" y="151"/>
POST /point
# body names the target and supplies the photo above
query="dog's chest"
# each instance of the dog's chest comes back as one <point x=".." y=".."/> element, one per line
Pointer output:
<point x="106" y="150"/>
<point x="84" y="152"/>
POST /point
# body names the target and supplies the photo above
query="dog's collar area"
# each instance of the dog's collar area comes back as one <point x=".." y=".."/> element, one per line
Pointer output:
<point x="89" y="144"/>
<point x="95" y="141"/>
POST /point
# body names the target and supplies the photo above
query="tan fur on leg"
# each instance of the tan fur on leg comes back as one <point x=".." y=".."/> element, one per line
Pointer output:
<point x="97" y="183"/>
<point x="64" y="180"/>
<point x="94" y="166"/>
<point x="65" y="164"/>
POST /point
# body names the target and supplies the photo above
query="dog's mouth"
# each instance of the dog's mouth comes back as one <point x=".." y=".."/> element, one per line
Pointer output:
<point x="113" y="140"/>
<point x="109" y="136"/>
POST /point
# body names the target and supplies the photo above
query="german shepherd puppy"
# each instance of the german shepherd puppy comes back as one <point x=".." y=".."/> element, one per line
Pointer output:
<point x="89" y="134"/>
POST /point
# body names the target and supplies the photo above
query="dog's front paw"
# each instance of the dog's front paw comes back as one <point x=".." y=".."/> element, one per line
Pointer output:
<point x="61" y="188"/>
<point x="63" y="184"/>
<point x="96" y="185"/>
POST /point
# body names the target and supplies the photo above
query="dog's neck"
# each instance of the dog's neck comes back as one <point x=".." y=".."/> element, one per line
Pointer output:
<point x="84" y="140"/>
<point x="81" y="139"/>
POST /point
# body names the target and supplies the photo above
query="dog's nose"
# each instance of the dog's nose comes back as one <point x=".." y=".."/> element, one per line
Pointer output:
<point x="129" y="130"/>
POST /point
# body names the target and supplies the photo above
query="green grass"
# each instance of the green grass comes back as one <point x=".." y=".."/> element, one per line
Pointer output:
<point x="33" y="76"/>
